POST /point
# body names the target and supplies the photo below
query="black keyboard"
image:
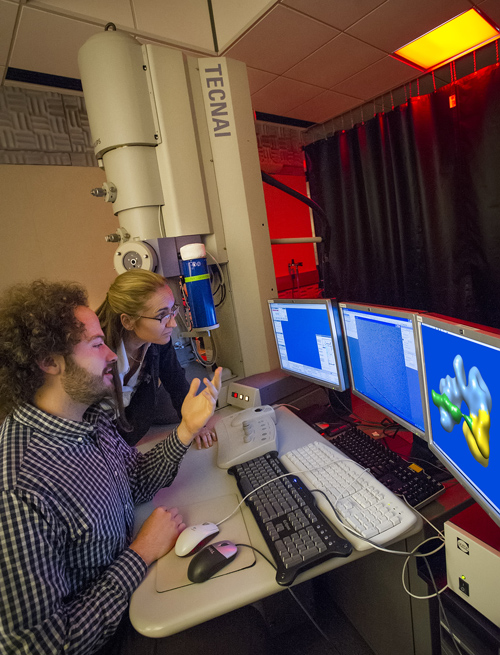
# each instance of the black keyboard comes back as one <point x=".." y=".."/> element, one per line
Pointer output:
<point x="395" y="473"/>
<point x="295" y="530"/>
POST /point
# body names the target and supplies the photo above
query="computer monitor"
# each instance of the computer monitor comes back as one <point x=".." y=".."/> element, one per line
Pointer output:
<point x="309" y="340"/>
<point x="462" y="383"/>
<point x="384" y="361"/>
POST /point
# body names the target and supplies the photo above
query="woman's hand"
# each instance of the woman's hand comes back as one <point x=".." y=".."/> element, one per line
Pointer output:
<point x="205" y="438"/>
<point x="197" y="409"/>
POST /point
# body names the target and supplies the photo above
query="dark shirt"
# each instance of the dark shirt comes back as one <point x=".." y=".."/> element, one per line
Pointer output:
<point x="160" y="364"/>
<point x="68" y="491"/>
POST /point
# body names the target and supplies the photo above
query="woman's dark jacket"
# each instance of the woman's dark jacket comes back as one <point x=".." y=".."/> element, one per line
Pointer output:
<point x="160" y="363"/>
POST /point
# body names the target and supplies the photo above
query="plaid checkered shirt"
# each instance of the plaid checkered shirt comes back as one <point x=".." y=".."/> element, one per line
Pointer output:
<point x="68" y="491"/>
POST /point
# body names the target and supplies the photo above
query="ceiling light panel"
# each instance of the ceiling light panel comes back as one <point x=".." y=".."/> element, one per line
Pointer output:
<point x="454" y="38"/>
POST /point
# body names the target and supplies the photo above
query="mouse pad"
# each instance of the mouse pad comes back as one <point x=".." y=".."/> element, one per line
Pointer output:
<point x="171" y="571"/>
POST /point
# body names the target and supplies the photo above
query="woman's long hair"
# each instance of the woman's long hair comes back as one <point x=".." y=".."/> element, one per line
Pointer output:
<point x="128" y="294"/>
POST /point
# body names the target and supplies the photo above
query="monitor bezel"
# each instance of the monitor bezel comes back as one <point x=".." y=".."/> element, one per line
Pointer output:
<point x="397" y="313"/>
<point x="482" y="335"/>
<point x="338" y="342"/>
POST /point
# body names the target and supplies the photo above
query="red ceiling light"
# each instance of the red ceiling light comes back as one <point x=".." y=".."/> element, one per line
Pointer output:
<point x="460" y="35"/>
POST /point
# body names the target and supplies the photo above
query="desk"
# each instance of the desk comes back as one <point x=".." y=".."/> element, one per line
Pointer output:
<point x="161" y="614"/>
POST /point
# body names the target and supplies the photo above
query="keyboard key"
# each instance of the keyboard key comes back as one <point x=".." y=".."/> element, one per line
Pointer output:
<point x="363" y="504"/>
<point x="295" y="531"/>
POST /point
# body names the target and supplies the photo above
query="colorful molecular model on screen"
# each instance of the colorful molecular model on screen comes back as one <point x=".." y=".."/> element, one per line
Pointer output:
<point x="476" y="395"/>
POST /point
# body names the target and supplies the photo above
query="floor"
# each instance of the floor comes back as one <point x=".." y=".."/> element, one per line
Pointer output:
<point x="293" y="632"/>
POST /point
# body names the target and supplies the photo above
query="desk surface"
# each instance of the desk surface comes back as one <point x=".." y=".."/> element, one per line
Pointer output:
<point x="161" y="614"/>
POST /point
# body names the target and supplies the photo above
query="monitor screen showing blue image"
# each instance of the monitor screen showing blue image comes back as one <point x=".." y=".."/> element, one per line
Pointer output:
<point x="384" y="363"/>
<point x="309" y="340"/>
<point x="462" y="380"/>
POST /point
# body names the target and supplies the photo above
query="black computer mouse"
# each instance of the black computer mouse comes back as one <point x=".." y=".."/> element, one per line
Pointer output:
<point x="210" y="560"/>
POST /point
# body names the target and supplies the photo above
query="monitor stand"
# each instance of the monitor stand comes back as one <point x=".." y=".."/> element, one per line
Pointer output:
<point x="340" y="404"/>
<point x="336" y="413"/>
<point x="427" y="460"/>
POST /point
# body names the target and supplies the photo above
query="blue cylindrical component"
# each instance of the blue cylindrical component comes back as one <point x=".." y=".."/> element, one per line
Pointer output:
<point x="197" y="286"/>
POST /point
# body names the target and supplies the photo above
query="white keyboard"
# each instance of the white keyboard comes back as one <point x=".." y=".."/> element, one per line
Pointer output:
<point x="364" y="504"/>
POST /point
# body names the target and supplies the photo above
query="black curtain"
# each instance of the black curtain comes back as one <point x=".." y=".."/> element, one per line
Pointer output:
<point x="413" y="202"/>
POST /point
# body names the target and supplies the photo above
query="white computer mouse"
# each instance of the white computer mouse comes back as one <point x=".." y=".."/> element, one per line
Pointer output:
<point x="194" y="537"/>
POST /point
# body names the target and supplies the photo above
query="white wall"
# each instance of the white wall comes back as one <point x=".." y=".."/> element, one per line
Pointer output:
<point x="52" y="227"/>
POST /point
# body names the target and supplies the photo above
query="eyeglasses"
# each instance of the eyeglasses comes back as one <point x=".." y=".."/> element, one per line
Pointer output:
<point x="164" y="318"/>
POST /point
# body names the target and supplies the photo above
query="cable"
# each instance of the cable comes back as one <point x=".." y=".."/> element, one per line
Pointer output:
<point x="189" y="327"/>
<point x="207" y="363"/>
<point x="299" y="603"/>
<point x="286" y="405"/>
<point x="441" y="607"/>
<point x="334" y="509"/>
<point x="316" y="468"/>
<point x="260" y="553"/>
<point x="364" y="421"/>
<point x="222" y="284"/>
<point x="340" y="519"/>
<point x="218" y="268"/>
<point x="424" y="555"/>
<point x="294" y="596"/>
<point x="285" y="475"/>
<point x="319" y="213"/>
<point x="359" y="536"/>
<point x="441" y="534"/>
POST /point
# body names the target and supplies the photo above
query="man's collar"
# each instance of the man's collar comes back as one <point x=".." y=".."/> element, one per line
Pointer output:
<point x="41" y="421"/>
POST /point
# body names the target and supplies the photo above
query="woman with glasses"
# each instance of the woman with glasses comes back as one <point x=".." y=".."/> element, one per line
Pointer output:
<point x="137" y="318"/>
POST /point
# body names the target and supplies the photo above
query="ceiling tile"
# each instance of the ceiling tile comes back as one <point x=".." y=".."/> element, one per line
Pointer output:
<point x="378" y="78"/>
<point x="233" y="18"/>
<point x="8" y="13"/>
<point x="282" y="95"/>
<point x="396" y="23"/>
<point x="492" y="9"/>
<point x="323" y="107"/>
<point x="334" y="62"/>
<point x="258" y="79"/>
<point x="280" y="41"/>
<point x="115" y="11"/>
<point x="183" y="23"/>
<point x="47" y="43"/>
<point x="337" y="13"/>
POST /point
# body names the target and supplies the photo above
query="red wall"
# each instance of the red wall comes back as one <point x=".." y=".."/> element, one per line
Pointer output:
<point x="289" y="217"/>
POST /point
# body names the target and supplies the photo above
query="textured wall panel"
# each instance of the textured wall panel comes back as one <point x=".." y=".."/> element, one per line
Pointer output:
<point x="52" y="129"/>
<point x="280" y="149"/>
<point x="44" y="128"/>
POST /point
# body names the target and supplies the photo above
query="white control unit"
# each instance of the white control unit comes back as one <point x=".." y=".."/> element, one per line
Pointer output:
<point x="473" y="560"/>
<point x="245" y="435"/>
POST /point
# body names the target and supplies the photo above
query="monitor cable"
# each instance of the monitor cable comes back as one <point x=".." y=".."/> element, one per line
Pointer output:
<point x="409" y="554"/>
<point x="294" y="595"/>
<point x="441" y="607"/>
<point x="187" y="328"/>
<point x="361" y="421"/>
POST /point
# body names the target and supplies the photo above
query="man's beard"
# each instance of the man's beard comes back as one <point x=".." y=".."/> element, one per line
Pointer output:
<point x="82" y="386"/>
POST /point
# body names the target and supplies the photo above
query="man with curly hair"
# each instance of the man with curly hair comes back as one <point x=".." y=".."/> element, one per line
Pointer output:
<point x="69" y="483"/>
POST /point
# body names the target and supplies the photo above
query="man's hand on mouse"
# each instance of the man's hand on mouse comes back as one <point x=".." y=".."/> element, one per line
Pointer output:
<point x="158" y="534"/>
<point x="197" y="408"/>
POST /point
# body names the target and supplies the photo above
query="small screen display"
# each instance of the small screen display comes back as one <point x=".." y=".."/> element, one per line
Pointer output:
<point x="463" y="386"/>
<point x="384" y="364"/>
<point x="307" y="340"/>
